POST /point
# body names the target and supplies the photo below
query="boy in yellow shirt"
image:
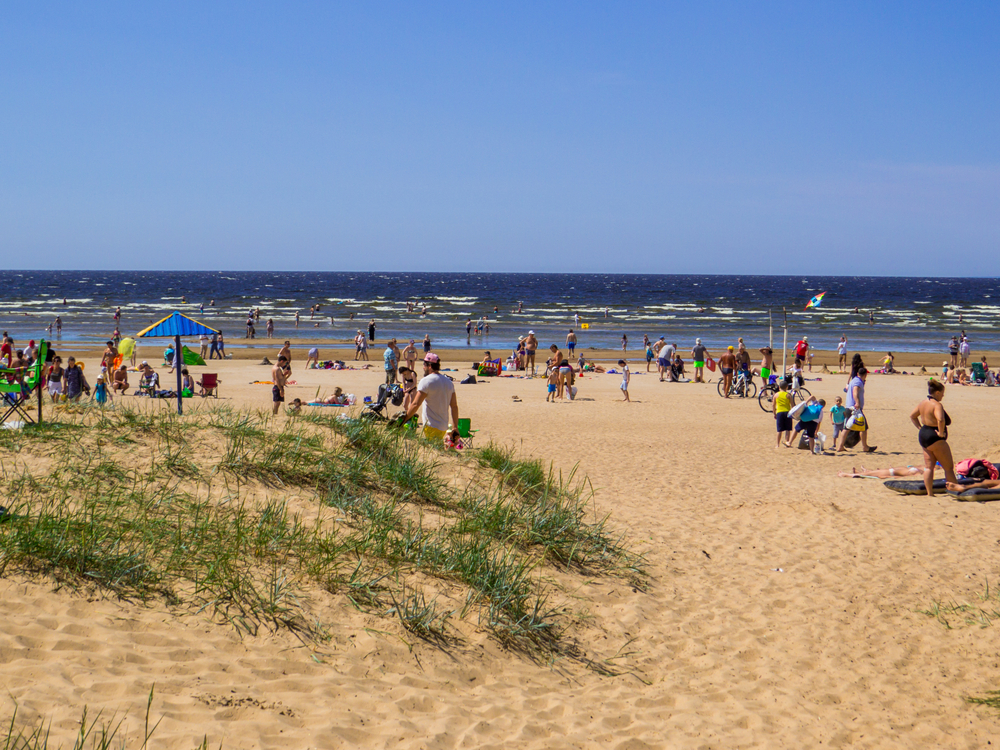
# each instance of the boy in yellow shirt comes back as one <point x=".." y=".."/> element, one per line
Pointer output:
<point x="781" y="405"/>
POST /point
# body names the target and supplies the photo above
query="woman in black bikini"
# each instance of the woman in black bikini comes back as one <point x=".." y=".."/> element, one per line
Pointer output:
<point x="932" y="420"/>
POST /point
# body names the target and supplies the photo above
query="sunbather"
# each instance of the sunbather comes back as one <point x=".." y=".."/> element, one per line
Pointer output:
<point x="337" y="397"/>
<point x="897" y="471"/>
<point x="985" y="484"/>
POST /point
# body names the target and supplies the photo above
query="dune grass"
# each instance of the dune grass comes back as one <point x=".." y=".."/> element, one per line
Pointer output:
<point x="193" y="511"/>
<point x="94" y="733"/>
<point x="952" y="613"/>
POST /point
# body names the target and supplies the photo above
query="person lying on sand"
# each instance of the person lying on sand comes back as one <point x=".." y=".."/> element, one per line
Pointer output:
<point x="337" y="397"/>
<point x="897" y="471"/>
<point x="986" y="484"/>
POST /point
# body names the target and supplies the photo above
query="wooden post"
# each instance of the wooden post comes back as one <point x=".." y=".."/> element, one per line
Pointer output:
<point x="784" y="342"/>
<point x="179" y="357"/>
<point x="39" y="373"/>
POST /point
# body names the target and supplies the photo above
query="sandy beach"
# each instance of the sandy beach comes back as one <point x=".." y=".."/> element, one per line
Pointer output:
<point x="783" y="605"/>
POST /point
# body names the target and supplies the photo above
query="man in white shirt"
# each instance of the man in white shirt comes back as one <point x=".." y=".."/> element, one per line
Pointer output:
<point x="436" y="393"/>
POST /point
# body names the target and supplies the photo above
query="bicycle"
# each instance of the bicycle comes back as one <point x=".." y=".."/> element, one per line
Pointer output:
<point x="769" y="390"/>
<point x="742" y="386"/>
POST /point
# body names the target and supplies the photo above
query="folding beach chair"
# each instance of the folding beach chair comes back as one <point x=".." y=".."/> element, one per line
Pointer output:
<point x="466" y="432"/>
<point x="16" y="387"/>
<point x="209" y="384"/>
<point x="978" y="373"/>
<point x="148" y="385"/>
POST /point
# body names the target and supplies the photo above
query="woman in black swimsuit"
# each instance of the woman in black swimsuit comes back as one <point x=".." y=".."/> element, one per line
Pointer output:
<point x="932" y="421"/>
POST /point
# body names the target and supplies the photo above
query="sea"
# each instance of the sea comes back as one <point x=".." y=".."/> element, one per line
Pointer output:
<point x="874" y="313"/>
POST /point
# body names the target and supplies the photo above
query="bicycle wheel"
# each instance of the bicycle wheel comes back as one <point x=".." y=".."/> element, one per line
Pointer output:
<point x="803" y="394"/>
<point x="766" y="398"/>
<point x="719" y="388"/>
<point x="751" y="390"/>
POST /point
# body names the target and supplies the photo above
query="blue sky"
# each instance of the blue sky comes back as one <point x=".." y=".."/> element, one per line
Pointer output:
<point x="839" y="138"/>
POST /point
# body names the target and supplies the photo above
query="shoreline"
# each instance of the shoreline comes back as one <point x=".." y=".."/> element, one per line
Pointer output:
<point x="462" y="357"/>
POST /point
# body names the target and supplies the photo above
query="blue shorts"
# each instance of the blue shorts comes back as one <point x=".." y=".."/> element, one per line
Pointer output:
<point x="552" y="387"/>
<point x="571" y="345"/>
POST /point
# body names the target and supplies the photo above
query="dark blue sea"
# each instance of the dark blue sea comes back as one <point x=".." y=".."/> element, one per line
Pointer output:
<point x="910" y="314"/>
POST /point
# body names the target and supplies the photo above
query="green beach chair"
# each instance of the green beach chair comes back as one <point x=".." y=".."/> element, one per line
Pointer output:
<point x="466" y="432"/>
<point x="16" y="394"/>
<point x="978" y="373"/>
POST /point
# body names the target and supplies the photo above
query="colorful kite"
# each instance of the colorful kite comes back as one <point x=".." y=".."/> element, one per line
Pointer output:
<point x="814" y="302"/>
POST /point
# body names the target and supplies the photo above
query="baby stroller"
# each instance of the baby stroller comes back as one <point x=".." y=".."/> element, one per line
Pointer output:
<point x="386" y="394"/>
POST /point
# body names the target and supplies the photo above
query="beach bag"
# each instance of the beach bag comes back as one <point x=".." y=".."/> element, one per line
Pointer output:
<point x="852" y="439"/>
<point x="470" y="380"/>
<point x="796" y="411"/>
<point x="856" y="422"/>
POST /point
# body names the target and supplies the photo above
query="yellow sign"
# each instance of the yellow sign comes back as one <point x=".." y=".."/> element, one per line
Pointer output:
<point x="585" y="326"/>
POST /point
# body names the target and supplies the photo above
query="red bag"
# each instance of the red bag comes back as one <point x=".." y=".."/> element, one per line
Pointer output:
<point x="710" y="363"/>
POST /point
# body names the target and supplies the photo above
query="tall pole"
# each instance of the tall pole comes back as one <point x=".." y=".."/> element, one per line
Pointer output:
<point x="770" y="331"/>
<point x="784" y="342"/>
<point x="179" y="359"/>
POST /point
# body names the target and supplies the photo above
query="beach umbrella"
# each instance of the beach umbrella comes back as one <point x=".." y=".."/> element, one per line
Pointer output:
<point x="814" y="302"/>
<point x="176" y="325"/>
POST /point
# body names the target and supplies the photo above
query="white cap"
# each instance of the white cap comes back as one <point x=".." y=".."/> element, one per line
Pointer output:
<point x="531" y="333"/>
<point x="697" y="341"/>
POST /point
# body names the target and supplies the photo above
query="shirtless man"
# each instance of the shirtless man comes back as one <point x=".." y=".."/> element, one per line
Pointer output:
<point x="727" y="366"/>
<point x="530" y="345"/>
<point x="766" y="363"/>
<point x="571" y="342"/>
<point x="743" y="357"/>
<point x="278" y="378"/>
<point x="119" y="381"/>
<point x="286" y="352"/>
<point x="554" y="364"/>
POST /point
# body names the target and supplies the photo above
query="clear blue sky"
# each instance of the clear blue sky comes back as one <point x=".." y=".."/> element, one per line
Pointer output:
<point x="843" y="138"/>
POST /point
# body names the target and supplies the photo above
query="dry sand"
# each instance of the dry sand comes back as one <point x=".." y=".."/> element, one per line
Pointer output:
<point x="782" y="609"/>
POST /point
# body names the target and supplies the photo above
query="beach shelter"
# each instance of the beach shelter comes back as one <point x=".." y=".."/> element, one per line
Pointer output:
<point x="176" y="325"/>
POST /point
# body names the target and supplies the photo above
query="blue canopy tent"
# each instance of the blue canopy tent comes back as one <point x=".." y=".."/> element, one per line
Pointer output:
<point x="176" y="325"/>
